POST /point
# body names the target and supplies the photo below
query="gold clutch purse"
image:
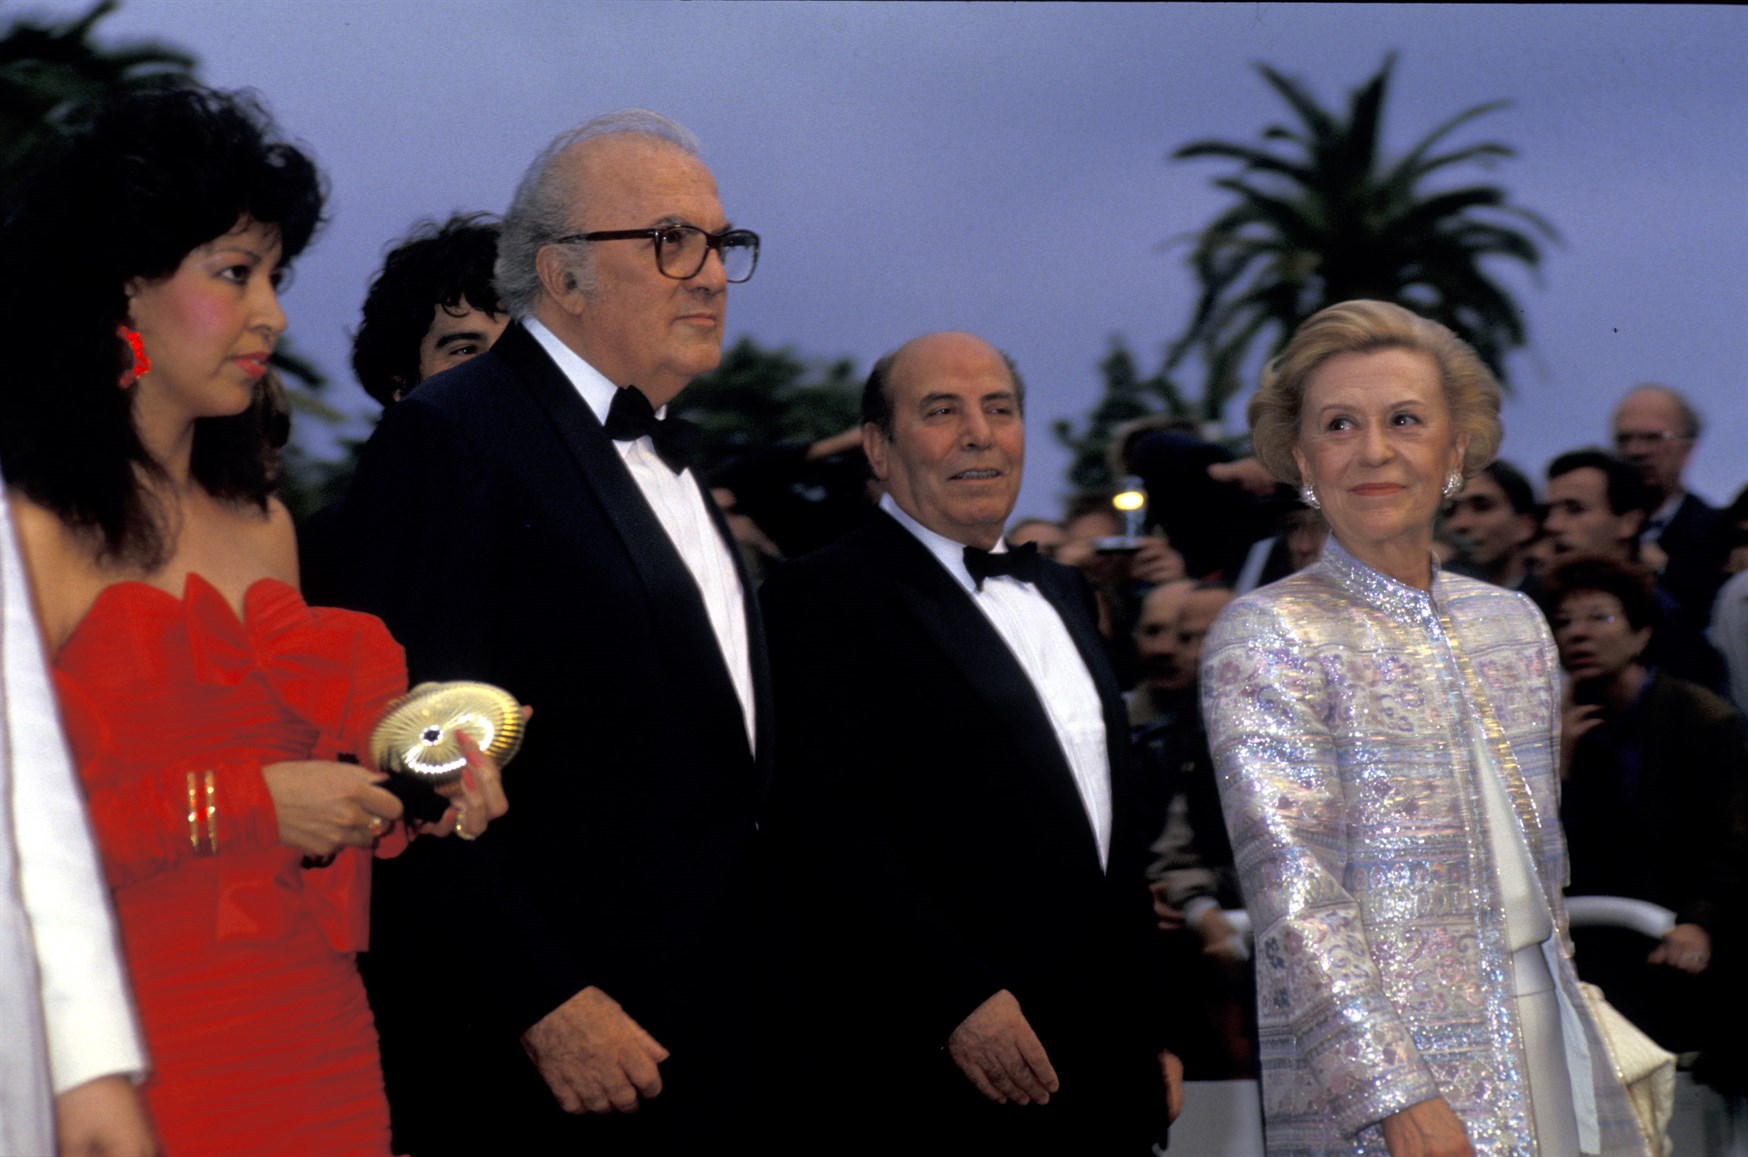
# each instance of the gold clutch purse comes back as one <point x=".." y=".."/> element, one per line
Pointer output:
<point x="416" y="735"/>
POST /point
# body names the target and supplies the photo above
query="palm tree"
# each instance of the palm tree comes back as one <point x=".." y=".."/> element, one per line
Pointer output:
<point x="1127" y="396"/>
<point x="1326" y="219"/>
<point x="53" y="78"/>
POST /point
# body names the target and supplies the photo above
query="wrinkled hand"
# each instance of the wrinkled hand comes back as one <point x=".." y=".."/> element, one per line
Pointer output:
<point x="1170" y="919"/>
<point x="1173" y="1070"/>
<point x="1246" y="473"/>
<point x="1156" y="562"/>
<point x="1427" y="1129"/>
<point x="594" y="1057"/>
<point x="103" y="1118"/>
<point x="996" y="1048"/>
<point x="1687" y="947"/>
<point x="323" y="806"/>
<point x="476" y="796"/>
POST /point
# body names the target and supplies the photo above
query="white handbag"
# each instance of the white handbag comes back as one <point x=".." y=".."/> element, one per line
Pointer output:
<point x="1645" y="1067"/>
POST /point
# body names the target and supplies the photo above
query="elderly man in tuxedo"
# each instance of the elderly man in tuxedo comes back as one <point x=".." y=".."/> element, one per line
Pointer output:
<point x="529" y="519"/>
<point x="954" y="816"/>
<point x="1656" y="429"/>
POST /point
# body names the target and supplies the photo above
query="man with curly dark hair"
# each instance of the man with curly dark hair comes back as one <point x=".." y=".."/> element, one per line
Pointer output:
<point x="432" y="306"/>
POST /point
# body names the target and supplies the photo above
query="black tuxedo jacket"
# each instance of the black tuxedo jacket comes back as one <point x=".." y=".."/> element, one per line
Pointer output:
<point x="934" y="850"/>
<point x="1696" y="559"/>
<point x="495" y="528"/>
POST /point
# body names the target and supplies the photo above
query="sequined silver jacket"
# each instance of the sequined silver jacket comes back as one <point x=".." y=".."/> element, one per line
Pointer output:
<point x="1339" y="706"/>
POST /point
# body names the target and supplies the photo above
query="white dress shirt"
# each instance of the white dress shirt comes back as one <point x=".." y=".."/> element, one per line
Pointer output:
<point x="65" y="1017"/>
<point x="1035" y="633"/>
<point x="1660" y="518"/>
<point x="678" y="504"/>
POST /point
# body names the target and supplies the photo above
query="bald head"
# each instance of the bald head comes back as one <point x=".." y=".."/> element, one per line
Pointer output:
<point x="877" y="391"/>
<point x="1655" y="429"/>
<point x="942" y="430"/>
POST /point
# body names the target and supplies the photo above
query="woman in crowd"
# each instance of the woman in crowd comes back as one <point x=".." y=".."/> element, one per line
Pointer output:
<point x="1656" y="782"/>
<point x="1385" y="736"/>
<point x="206" y="705"/>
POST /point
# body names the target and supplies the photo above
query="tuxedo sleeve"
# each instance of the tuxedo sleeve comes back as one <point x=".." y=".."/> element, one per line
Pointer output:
<point x="842" y="783"/>
<point x="424" y="548"/>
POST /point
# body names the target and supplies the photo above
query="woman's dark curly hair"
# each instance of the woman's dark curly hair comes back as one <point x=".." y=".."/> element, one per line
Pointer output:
<point x="160" y="172"/>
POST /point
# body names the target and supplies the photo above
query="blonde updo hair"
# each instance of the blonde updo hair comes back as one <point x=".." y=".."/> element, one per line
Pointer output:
<point x="1358" y="327"/>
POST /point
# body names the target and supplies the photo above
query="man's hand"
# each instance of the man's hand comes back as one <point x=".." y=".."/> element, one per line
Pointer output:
<point x="1001" y="1055"/>
<point x="595" y="1058"/>
<point x="1246" y="473"/>
<point x="1170" y="918"/>
<point x="1685" y="946"/>
<point x="1173" y="1069"/>
<point x="1155" y="562"/>
<point x="1219" y="938"/>
<point x="103" y="1118"/>
<point x="1427" y="1129"/>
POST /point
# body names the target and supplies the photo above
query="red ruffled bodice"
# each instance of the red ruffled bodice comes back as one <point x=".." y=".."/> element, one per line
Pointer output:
<point x="241" y="960"/>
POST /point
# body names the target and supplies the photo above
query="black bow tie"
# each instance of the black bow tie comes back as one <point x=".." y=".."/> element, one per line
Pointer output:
<point x="1020" y="562"/>
<point x="630" y="417"/>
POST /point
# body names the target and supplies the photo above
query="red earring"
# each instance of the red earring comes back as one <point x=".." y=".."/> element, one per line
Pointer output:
<point x="142" y="364"/>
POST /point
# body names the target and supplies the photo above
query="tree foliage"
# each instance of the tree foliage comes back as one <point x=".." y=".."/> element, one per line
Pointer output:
<point x="1319" y="216"/>
<point x="758" y="397"/>
<point x="53" y="78"/>
<point x="1127" y="396"/>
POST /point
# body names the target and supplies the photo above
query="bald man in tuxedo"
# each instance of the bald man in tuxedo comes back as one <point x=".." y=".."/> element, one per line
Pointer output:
<point x="954" y="815"/>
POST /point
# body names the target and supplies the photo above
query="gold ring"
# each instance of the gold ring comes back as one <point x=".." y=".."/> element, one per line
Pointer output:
<point x="375" y="826"/>
<point x="460" y="819"/>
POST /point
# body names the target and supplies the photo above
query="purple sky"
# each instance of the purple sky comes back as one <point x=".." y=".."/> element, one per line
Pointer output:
<point x="1000" y="168"/>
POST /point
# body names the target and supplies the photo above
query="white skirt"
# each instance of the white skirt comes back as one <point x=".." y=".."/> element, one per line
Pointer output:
<point x="1550" y="1085"/>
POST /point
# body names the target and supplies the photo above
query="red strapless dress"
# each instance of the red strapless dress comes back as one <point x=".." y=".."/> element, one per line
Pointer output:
<point x="256" y="1026"/>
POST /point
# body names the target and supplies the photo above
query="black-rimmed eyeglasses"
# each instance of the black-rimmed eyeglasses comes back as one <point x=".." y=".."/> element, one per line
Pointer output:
<point x="681" y="250"/>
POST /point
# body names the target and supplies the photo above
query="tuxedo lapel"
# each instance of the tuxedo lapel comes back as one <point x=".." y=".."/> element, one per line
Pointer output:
<point x="597" y="460"/>
<point x="667" y="581"/>
<point x="949" y="617"/>
<point x="758" y="655"/>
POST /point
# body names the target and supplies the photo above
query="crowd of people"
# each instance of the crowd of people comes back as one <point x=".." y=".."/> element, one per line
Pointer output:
<point x="857" y="815"/>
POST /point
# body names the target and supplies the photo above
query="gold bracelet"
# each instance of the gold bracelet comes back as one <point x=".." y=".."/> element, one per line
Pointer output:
<point x="211" y="816"/>
<point x="193" y="816"/>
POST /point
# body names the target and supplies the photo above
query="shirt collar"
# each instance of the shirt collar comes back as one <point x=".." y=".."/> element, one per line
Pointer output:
<point x="947" y="552"/>
<point x="1665" y="514"/>
<point x="594" y="386"/>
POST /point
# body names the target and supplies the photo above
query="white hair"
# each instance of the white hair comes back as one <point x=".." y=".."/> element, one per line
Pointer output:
<point x="546" y="204"/>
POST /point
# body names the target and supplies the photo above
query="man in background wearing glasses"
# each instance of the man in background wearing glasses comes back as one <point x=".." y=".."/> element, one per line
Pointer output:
<point x="1655" y="429"/>
<point x="529" y="519"/>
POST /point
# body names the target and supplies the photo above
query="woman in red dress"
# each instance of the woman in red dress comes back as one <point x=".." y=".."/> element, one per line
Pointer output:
<point x="207" y="706"/>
